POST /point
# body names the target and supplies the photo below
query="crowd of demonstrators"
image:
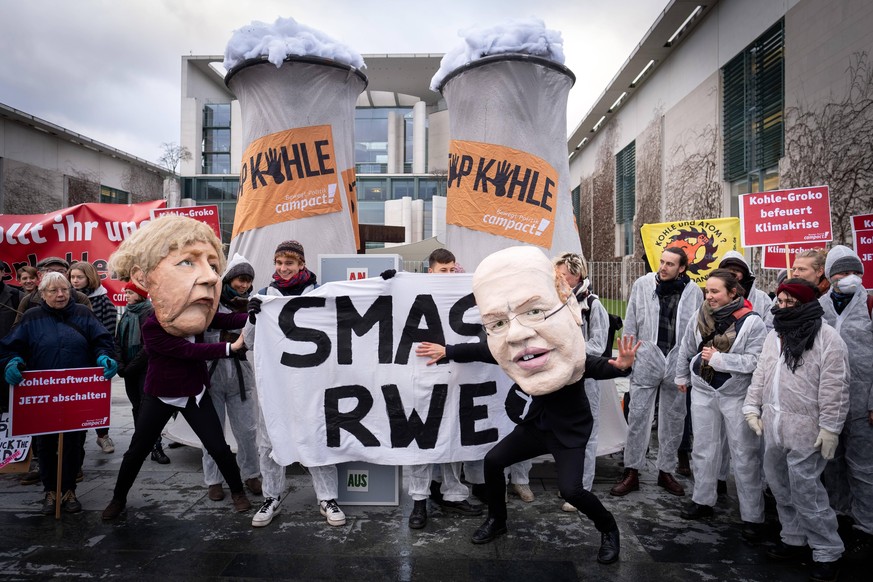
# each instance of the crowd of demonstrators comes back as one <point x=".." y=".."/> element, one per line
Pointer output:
<point x="85" y="279"/>
<point x="57" y="333"/>
<point x="177" y="260"/>
<point x="232" y="384"/>
<point x="794" y="406"/>
<point x="133" y="359"/>
<point x="717" y="356"/>
<point x="49" y="265"/>
<point x="291" y="278"/>
<point x="660" y="306"/>
<point x="595" y="329"/>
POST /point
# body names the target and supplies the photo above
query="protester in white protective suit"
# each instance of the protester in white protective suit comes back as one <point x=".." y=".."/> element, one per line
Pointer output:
<point x="849" y="476"/>
<point x="717" y="357"/>
<point x="798" y="400"/>
<point x="595" y="329"/>
<point x="233" y="385"/>
<point x="660" y="306"/>
<point x="291" y="278"/>
<point x="736" y="263"/>
<point x="447" y="490"/>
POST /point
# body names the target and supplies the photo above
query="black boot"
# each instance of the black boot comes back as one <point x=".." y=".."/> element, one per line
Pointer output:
<point x="696" y="511"/>
<point x="418" y="517"/>
<point x="488" y="531"/>
<point x="610" y="546"/>
<point x="158" y="455"/>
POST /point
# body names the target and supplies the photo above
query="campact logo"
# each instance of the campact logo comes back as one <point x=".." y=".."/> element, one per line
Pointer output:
<point x="526" y="226"/>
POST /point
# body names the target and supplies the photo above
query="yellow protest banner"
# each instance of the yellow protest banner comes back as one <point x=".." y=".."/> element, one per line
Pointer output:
<point x="704" y="241"/>
<point x="502" y="191"/>
<point x="285" y="176"/>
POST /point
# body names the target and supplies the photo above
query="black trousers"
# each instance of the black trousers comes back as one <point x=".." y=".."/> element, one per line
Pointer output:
<point x="526" y="442"/>
<point x="134" y="386"/>
<point x="153" y="416"/>
<point x="70" y="464"/>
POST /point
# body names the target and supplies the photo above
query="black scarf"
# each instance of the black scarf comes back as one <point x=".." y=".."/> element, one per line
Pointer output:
<point x="234" y="301"/>
<point x="797" y="328"/>
<point x="673" y="287"/>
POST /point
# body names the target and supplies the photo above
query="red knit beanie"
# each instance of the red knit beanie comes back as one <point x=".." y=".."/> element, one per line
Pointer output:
<point x="133" y="287"/>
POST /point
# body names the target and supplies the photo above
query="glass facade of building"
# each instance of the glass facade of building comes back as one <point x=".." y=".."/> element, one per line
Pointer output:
<point x="216" y="139"/>
<point x="371" y="138"/>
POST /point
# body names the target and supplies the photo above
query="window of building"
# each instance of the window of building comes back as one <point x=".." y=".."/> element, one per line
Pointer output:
<point x="371" y="138"/>
<point x="216" y="138"/>
<point x="752" y="114"/>
<point x="625" y="198"/>
<point x="114" y="196"/>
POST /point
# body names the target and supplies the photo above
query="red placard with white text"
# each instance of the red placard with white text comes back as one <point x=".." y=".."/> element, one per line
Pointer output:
<point x="780" y="217"/>
<point x="862" y="232"/>
<point x="773" y="256"/>
<point x="50" y="401"/>
<point x="207" y="214"/>
<point x="85" y="232"/>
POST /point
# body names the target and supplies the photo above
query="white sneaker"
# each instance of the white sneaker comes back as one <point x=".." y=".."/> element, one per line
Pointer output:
<point x="106" y="444"/>
<point x="265" y="514"/>
<point x="332" y="512"/>
<point x="568" y="507"/>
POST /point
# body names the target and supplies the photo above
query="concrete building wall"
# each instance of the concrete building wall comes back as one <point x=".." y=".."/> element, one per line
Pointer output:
<point x="822" y="39"/>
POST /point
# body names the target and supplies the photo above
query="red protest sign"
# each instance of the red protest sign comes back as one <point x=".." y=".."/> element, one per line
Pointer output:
<point x="86" y="232"/>
<point x="49" y="401"/>
<point x="207" y="214"/>
<point x="862" y="232"/>
<point x="862" y="222"/>
<point x="773" y="256"/>
<point x="780" y="217"/>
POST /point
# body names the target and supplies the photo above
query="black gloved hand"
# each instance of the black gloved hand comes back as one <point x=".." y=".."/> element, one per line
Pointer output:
<point x="388" y="273"/>
<point x="254" y="309"/>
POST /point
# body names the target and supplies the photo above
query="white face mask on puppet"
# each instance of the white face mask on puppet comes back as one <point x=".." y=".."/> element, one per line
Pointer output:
<point x="184" y="288"/>
<point x="540" y="357"/>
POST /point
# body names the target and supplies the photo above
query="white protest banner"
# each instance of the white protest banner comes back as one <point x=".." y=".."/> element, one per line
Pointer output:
<point x="339" y="380"/>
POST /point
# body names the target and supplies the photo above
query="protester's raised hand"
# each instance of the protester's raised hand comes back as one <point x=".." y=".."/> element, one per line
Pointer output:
<point x="254" y="309"/>
<point x="435" y="352"/>
<point x="627" y="352"/>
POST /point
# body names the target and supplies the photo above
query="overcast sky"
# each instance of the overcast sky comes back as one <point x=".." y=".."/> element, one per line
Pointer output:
<point x="110" y="69"/>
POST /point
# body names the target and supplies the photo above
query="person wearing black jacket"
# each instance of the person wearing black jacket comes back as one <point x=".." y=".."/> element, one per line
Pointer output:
<point x="540" y="346"/>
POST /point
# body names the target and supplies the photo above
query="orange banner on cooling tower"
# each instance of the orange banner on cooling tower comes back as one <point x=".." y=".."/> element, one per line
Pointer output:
<point x="285" y="176"/>
<point x="502" y="191"/>
<point x="351" y="181"/>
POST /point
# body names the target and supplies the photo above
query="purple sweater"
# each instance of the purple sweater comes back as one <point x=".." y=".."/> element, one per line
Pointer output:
<point x="177" y="367"/>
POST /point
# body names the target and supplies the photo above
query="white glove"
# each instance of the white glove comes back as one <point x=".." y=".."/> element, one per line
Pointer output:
<point x="755" y="423"/>
<point x="828" y="443"/>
